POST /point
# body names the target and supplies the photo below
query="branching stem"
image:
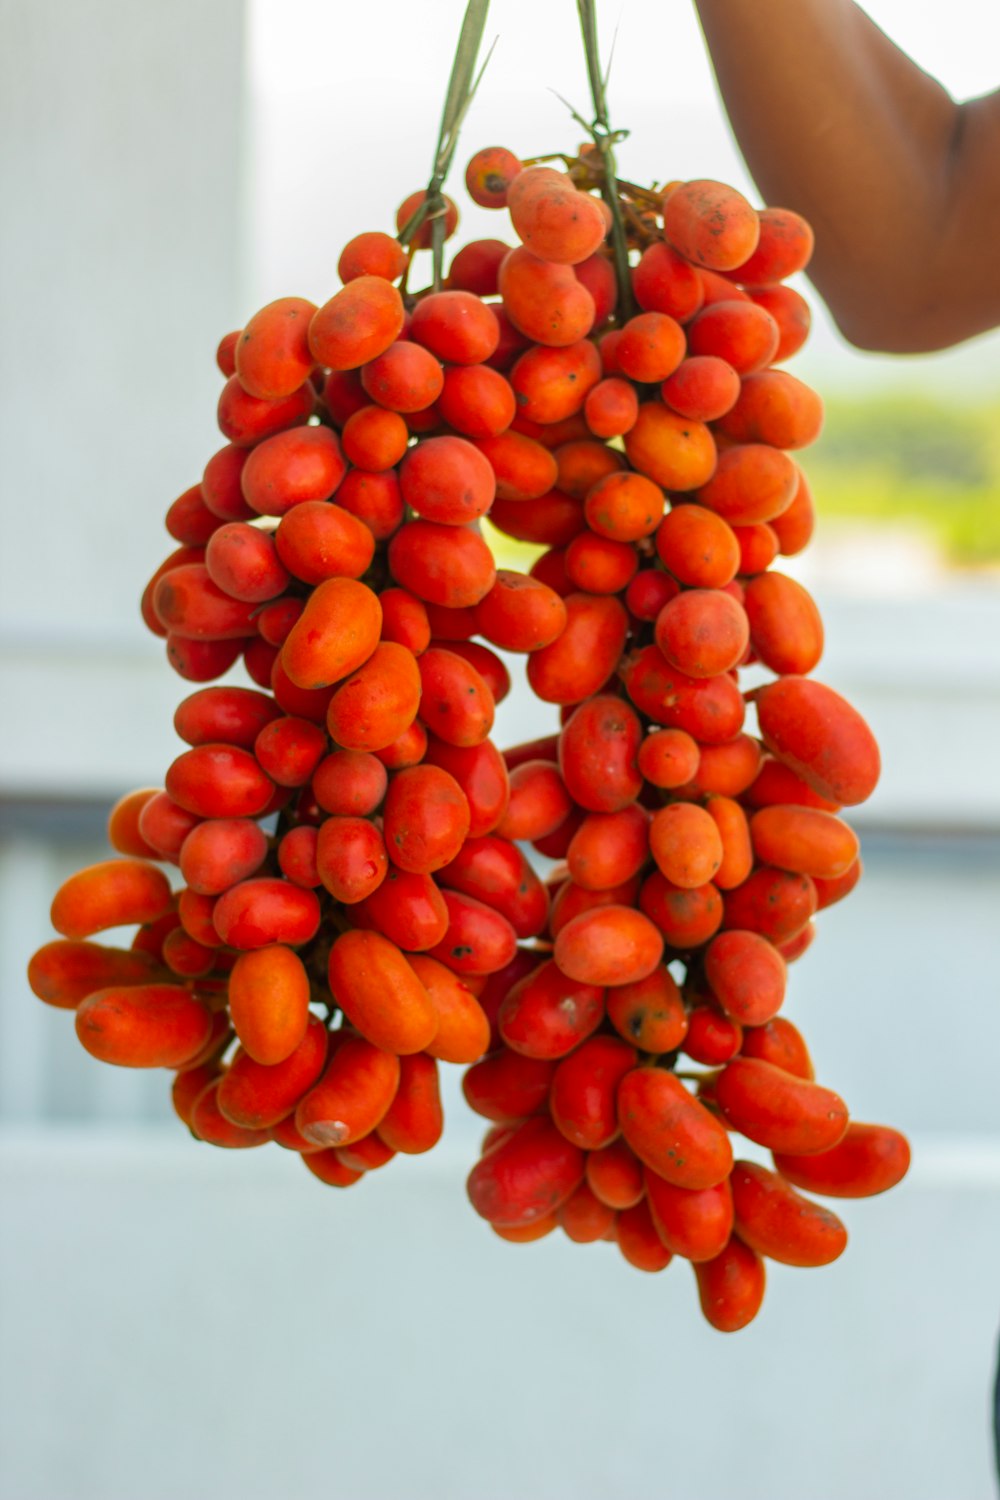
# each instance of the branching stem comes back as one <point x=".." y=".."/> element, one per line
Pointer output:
<point x="462" y="85"/>
<point x="605" y="139"/>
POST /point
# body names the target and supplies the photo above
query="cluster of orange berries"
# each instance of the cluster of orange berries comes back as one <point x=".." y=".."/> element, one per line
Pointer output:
<point x="356" y="904"/>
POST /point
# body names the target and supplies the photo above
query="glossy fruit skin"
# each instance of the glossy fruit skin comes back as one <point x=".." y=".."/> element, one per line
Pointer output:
<point x="413" y="1122"/>
<point x="668" y="758"/>
<point x="371" y="254"/>
<point x="271" y="354"/>
<point x="598" y="752"/>
<point x="256" y="1096"/>
<point x="785" y="625"/>
<point x="317" y="541"/>
<point x="710" y="709"/>
<point x="209" y="1124"/>
<point x="520" y="614"/>
<point x="110" y="894"/>
<point x="478" y="940"/>
<point x="686" y="918"/>
<point x="579" y="661"/>
<point x="712" y="1037"/>
<point x="695" y="1224"/>
<point x="615" y="1175"/>
<point x="685" y="843"/>
<point x="868" y="1159"/>
<point x="495" y="871"/>
<point x="303" y="464"/>
<point x="269" y="1001"/>
<point x="221" y="851"/>
<point x="638" y="1241"/>
<point x="143" y="1025"/>
<point x="583" y="1101"/>
<point x="353" y="1095"/>
<point x="349" y="782"/>
<point x="403" y="378"/>
<point x="774" y="408"/>
<point x="224" y="715"/>
<point x="206" y="660"/>
<point x="506" y="1087"/>
<point x="188" y="1084"/>
<point x="244" y="419"/>
<point x="784" y="247"/>
<point x="772" y="902"/>
<point x="366" y="1155"/>
<point x="742" y="333"/>
<point x="731" y="1286"/>
<point x="448" y="480"/>
<point x="664" y="281"/>
<point x="779" y="1110"/>
<point x="698" y="547"/>
<point x="583" y="1218"/>
<point x="538" y="803"/>
<point x="703" y="632"/>
<point x="776" y="1221"/>
<point x="481" y="775"/>
<point x="380" y="994"/>
<point x="734" y="833"/>
<point x="455" y="702"/>
<point x="378" y="702"/>
<point x="670" y="1131"/>
<point x="829" y="892"/>
<point x="677" y="453"/>
<point x="442" y="564"/>
<point x="337" y="631"/>
<point x="219" y="781"/>
<point x="551" y="384"/>
<point x="820" y="737"/>
<point x="609" y="848"/>
<point x="780" y="1043"/>
<point x="66" y="971"/>
<point x="327" y="1166"/>
<point x="406" y="908"/>
<point x="609" y="945"/>
<point x="426" y="817"/>
<point x="747" y="976"/>
<point x="649" y="1013"/>
<point x="527" y="1177"/>
<point x="488" y="177"/>
<point x="357" y="324"/>
<point x="710" y="224"/>
<point x="463" y="1029"/>
<point x="259" y="912"/>
<point x="804" y="840"/>
<point x="551" y="218"/>
<point x="650" y="348"/>
<point x="752" y="483"/>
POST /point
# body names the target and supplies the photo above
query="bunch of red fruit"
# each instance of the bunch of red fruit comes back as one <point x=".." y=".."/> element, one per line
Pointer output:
<point x="355" y="906"/>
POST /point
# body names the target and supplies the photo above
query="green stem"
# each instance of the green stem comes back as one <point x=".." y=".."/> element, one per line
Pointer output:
<point x="462" y="85"/>
<point x="604" y="139"/>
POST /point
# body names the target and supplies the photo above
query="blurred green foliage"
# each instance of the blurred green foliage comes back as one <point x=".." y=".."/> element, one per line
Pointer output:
<point x="903" y="459"/>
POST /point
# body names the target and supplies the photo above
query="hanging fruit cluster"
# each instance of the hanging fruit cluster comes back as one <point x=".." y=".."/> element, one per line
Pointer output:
<point x="355" y="905"/>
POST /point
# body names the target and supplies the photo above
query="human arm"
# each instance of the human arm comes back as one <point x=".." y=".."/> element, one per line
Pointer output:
<point x="900" y="183"/>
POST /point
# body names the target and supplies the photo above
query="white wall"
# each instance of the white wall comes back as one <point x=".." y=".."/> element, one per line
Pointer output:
<point x="120" y="152"/>
<point x="218" y="1326"/>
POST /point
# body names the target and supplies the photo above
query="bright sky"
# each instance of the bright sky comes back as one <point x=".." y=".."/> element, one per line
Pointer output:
<point x="347" y="99"/>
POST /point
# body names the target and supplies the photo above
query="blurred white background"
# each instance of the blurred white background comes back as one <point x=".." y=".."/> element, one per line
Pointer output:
<point x="183" y="1321"/>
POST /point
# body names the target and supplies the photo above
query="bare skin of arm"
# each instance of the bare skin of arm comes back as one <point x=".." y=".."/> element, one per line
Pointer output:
<point x="900" y="183"/>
